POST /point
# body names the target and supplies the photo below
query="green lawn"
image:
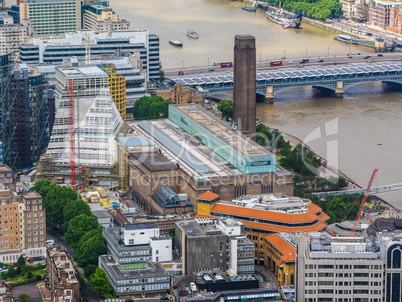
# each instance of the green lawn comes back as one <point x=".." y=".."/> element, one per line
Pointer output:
<point x="23" y="278"/>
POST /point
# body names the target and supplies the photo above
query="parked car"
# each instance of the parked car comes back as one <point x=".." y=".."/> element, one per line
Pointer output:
<point x="30" y="260"/>
<point x="14" y="264"/>
<point x="211" y="69"/>
<point x="369" y="34"/>
<point x="320" y="61"/>
<point x="350" y="57"/>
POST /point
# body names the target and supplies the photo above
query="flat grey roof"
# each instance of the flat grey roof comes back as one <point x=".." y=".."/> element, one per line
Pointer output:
<point x="154" y="161"/>
<point x="140" y="226"/>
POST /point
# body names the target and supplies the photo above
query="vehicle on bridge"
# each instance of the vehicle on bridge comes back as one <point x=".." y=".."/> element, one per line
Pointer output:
<point x="276" y="63"/>
<point x="304" y="61"/>
<point x="227" y="64"/>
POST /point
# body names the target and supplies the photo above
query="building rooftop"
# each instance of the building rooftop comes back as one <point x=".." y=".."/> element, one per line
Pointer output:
<point x="222" y="131"/>
<point x="30" y="194"/>
<point x="154" y="161"/>
<point x="45" y="1"/>
<point x="102" y="214"/>
<point x="140" y="226"/>
<point x="151" y="269"/>
<point x="208" y="196"/>
<point x="283" y="246"/>
<point x="132" y="141"/>
<point x="5" y="168"/>
<point x="206" y="227"/>
<point x="92" y="71"/>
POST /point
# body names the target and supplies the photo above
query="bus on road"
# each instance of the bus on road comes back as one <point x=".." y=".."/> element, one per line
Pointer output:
<point x="276" y="63"/>
<point x="227" y="64"/>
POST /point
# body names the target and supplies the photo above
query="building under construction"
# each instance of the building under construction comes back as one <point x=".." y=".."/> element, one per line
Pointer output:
<point x="90" y="154"/>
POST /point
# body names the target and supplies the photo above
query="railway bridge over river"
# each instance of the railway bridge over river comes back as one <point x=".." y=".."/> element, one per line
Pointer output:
<point x="334" y="78"/>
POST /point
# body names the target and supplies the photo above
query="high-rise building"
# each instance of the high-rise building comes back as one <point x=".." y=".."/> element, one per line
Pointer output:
<point x="34" y="111"/>
<point x="52" y="17"/>
<point x="52" y="50"/>
<point x="14" y="12"/>
<point x="8" y="123"/>
<point x="244" y="85"/>
<point x="96" y="124"/>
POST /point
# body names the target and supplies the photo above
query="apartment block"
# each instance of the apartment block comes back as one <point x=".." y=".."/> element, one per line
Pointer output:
<point x="12" y="34"/>
<point x="22" y="225"/>
<point x="206" y="244"/>
<point x="52" y="17"/>
<point x="34" y="227"/>
<point x="380" y="12"/>
<point x="61" y="277"/>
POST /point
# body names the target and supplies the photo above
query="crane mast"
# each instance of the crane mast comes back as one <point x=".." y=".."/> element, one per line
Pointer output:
<point x="364" y="199"/>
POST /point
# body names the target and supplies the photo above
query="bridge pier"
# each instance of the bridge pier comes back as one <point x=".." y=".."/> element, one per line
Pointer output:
<point x="269" y="94"/>
<point x="337" y="92"/>
<point x="339" y="89"/>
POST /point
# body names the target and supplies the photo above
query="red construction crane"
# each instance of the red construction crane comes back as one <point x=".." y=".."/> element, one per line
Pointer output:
<point x="71" y="130"/>
<point x="364" y="199"/>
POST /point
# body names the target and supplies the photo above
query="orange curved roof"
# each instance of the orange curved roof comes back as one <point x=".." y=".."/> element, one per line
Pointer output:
<point x="263" y="214"/>
<point x="284" y="247"/>
<point x="275" y="228"/>
<point x="313" y="208"/>
<point x="208" y="196"/>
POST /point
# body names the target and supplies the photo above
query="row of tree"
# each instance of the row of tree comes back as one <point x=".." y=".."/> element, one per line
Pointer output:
<point x="316" y="9"/>
<point x="150" y="107"/>
<point x="67" y="211"/>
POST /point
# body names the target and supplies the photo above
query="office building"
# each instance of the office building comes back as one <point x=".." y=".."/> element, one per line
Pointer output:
<point x="227" y="249"/>
<point x="102" y="18"/>
<point x="23" y="221"/>
<point x="184" y="163"/>
<point x="61" y="277"/>
<point x="341" y="268"/>
<point x="97" y="123"/>
<point x="52" y="17"/>
<point x="244" y="84"/>
<point x="52" y="50"/>
<point x="135" y="253"/>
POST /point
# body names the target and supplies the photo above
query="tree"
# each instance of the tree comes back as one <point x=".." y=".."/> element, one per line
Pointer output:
<point x="99" y="282"/>
<point x="161" y="73"/>
<point x="25" y="297"/>
<point x="73" y="209"/>
<point x="89" y="270"/>
<point x="11" y="272"/>
<point x="55" y="201"/>
<point x="29" y="275"/>
<point x="90" y="248"/>
<point x="150" y="107"/>
<point x="20" y="264"/>
<point x="78" y="227"/>
<point x="226" y="107"/>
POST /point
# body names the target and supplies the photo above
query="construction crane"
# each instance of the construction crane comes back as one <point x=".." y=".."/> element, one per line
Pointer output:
<point x="71" y="130"/>
<point x="364" y="199"/>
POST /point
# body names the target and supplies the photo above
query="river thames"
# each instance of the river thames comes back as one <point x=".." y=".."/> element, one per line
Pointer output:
<point x="368" y="114"/>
